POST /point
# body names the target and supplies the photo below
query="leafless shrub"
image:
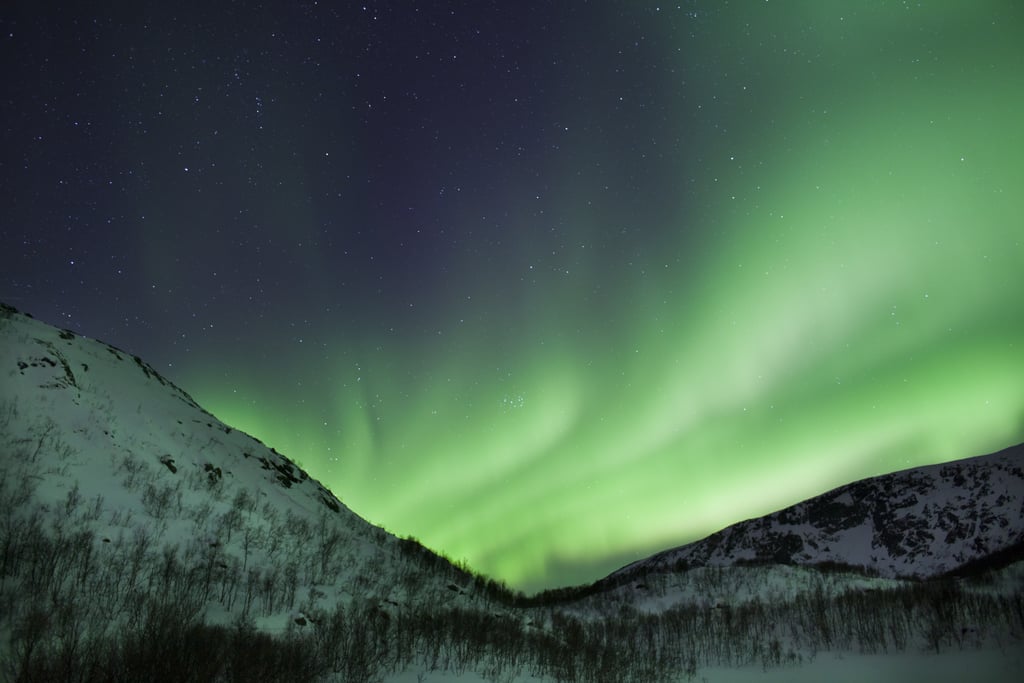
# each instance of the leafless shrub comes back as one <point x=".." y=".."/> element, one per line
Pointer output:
<point x="157" y="500"/>
<point x="133" y="469"/>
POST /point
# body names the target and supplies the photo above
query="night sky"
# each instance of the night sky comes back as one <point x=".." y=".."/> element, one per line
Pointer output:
<point x="548" y="285"/>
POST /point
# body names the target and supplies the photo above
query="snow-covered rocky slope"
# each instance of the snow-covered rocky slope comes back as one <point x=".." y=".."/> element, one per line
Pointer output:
<point x="101" y="438"/>
<point x="919" y="523"/>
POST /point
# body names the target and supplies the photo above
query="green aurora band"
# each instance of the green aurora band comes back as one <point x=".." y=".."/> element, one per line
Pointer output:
<point x="852" y="304"/>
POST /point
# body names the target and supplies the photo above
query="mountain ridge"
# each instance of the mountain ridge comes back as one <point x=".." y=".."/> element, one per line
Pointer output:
<point x="68" y="397"/>
<point x="918" y="522"/>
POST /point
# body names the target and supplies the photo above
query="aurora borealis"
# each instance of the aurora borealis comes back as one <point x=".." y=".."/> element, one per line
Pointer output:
<point x="549" y="286"/>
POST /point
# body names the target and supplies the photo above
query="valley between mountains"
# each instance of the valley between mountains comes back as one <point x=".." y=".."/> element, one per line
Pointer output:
<point x="143" y="539"/>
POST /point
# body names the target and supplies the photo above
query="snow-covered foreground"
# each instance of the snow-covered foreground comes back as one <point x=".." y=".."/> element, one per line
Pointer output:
<point x="976" y="666"/>
<point x="959" y="666"/>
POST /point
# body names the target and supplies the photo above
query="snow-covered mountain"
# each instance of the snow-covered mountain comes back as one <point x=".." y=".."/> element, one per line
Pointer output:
<point x="920" y="522"/>
<point x="91" y="431"/>
<point x="143" y="539"/>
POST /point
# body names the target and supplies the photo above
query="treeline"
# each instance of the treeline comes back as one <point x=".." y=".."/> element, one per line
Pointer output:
<point x="137" y="613"/>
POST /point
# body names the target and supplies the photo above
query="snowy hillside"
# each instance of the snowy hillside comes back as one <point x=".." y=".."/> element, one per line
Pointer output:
<point x="919" y="522"/>
<point x="124" y="505"/>
<point x="111" y="435"/>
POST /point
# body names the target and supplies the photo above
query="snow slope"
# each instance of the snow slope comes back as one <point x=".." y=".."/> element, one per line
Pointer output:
<point x="920" y="522"/>
<point x="91" y="429"/>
